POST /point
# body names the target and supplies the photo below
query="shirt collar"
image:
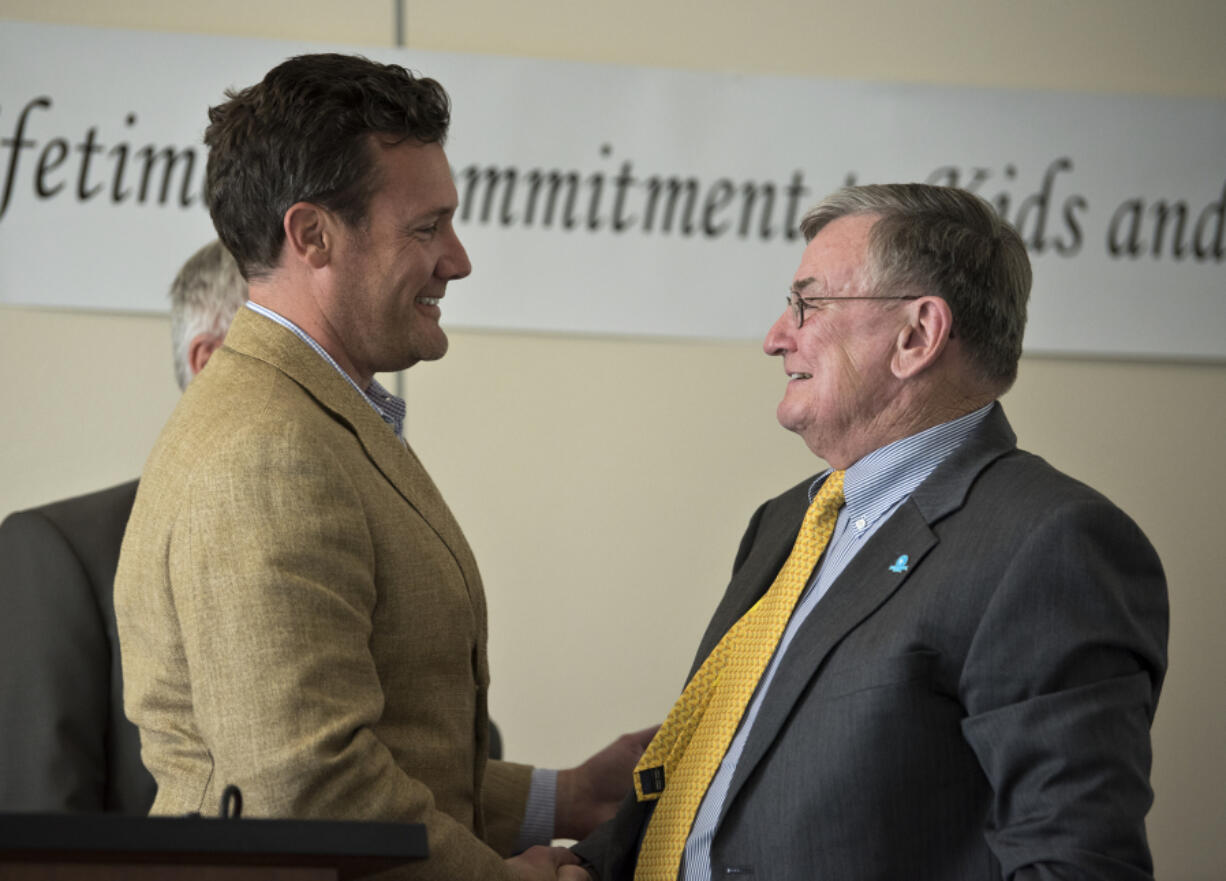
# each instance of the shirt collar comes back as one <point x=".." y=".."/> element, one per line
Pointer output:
<point x="390" y="408"/>
<point x="878" y="482"/>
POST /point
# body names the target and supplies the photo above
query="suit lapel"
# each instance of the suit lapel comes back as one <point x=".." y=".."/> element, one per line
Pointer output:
<point x="258" y="337"/>
<point x="872" y="577"/>
<point x="864" y="586"/>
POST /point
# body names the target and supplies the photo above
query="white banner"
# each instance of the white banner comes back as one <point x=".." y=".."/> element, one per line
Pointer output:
<point x="616" y="200"/>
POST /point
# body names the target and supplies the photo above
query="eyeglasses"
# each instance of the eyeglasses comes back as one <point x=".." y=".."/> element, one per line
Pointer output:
<point x="799" y="304"/>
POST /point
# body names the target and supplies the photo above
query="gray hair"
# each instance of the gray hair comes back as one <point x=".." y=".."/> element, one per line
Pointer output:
<point x="203" y="299"/>
<point x="950" y="243"/>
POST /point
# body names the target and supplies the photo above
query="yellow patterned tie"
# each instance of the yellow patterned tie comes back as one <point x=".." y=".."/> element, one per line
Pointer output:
<point x="686" y="752"/>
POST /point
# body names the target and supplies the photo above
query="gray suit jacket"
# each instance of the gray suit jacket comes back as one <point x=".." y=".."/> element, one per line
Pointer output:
<point x="983" y="714"/>
<point x="65" y="744"/>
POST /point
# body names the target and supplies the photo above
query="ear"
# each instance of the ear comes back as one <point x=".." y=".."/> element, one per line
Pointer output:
<point x="309" y="234"/>
<point x="923" y="337"/>
<point x="201" y="348"/>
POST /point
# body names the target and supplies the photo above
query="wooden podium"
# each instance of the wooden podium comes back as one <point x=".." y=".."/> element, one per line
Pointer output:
<point x="108" y="847"/>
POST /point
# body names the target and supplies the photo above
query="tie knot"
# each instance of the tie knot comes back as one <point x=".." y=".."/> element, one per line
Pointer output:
<point x="830" y="496"/>
<point x="823" y="513"/>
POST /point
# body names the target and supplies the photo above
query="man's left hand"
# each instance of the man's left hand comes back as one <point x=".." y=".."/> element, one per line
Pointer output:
<point x="589" y="794"/>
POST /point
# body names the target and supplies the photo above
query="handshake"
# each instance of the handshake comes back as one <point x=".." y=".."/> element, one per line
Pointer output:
<point x="547" y="864"/>
<point x="587" y="796"/>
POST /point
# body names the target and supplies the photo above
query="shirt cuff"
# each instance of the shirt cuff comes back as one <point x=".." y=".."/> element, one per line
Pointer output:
<point x="537" y="827"/>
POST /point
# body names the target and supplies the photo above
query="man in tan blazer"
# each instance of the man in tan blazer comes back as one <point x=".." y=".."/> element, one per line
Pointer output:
<point x="299" y="613"/>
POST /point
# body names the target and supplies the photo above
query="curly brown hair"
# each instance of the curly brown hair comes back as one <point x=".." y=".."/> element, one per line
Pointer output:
<point x="305" y="133"/>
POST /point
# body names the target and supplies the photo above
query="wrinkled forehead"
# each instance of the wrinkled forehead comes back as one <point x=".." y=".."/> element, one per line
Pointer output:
<point x="836" y="262"/>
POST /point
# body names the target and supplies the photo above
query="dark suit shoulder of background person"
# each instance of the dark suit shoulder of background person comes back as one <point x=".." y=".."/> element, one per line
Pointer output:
<point x="65" y="744"/>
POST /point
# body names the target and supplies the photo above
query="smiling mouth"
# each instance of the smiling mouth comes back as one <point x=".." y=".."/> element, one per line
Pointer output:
<point x="795" y="376"/>
<point x="429" y="301"/>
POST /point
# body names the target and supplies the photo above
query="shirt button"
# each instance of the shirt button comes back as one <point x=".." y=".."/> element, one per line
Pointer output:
<point x="861" y="523"/>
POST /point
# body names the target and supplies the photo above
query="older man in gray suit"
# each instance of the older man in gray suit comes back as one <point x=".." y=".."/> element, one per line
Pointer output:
<point x="940" y="659"/>
<point x="65" y="744"/>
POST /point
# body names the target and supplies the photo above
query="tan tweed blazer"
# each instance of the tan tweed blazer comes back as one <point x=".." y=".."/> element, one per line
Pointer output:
<point x="299" y="614"/>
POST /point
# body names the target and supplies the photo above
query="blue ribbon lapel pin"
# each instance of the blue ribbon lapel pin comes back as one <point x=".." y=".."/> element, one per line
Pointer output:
<point x="900" y="565"/>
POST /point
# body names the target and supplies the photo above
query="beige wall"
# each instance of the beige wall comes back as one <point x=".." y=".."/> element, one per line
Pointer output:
<point x="597" y="478"/>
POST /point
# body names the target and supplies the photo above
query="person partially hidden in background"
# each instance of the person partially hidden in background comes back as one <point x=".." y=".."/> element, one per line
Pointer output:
<point x="938" y="659"/>
<point x="65" y="744"/>
<point x="299" y="612"/>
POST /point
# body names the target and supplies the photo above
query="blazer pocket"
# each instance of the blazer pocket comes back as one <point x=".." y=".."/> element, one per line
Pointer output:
<point x="896" y="670"/>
